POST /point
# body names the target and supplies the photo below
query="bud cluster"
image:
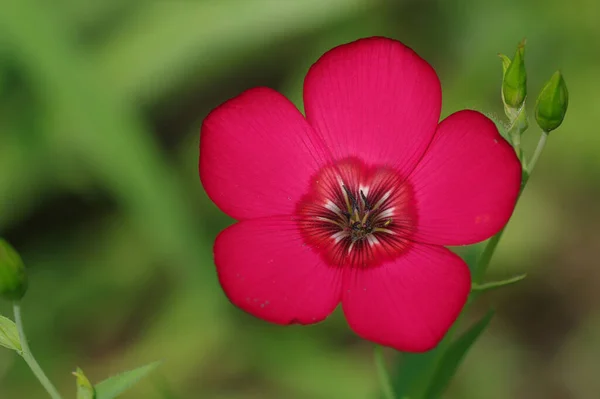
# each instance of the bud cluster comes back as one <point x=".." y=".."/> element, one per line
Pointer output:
<point x="552" y="102"/>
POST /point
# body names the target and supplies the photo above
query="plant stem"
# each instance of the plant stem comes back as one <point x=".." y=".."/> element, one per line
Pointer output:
<point x="538" y="150"/>
<point x="382" y="373"/>
<point x="28" y="357"/>
<point x="486" y="256"/>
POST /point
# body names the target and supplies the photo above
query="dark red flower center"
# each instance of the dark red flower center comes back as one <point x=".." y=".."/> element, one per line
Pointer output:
<point x="357" y="215"/>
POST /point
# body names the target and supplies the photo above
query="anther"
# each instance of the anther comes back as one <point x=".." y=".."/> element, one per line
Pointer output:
<point x="352" y="197"/>
<point x="365" y="201"/>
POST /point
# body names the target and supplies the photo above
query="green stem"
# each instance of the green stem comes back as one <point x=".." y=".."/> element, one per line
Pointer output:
<point x="28" y="357"/>
<point x="382" y="373"/>
<point x="486" y="256"/>
<point x="516" y="142"/>
<point x="538" y="150"/>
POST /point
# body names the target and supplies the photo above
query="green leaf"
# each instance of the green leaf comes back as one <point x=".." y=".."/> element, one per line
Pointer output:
<point x="454" y="355"/>
<point x="85" y="390"/>
<point x="116" y="385"/>
<point x="496" y="284"/>
<point x="9" y="336"/>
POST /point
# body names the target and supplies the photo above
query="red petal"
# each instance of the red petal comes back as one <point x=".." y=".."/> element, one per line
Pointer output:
<point x="409" y="303"/>
<point x="467" y="184"/>
<point x="266" y="269"/>
<point x="257" y="154"/>
<point x="374" y="99"/>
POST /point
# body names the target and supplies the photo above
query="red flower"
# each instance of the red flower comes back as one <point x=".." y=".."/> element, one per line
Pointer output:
<point x="354" y="202"/>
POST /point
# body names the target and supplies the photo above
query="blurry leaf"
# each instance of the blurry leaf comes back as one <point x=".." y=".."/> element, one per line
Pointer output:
<point x="9" y="336"/>
<point x="193" y="42"/>
<point x="165" y="391"/>
<point x="414" y="370"/>
<point x="454" y="355"/>
<point x="85" y="390"/>
<point x="116" y="385"/>
<point x="104" y="134"/>
<point x="497" y="284"/>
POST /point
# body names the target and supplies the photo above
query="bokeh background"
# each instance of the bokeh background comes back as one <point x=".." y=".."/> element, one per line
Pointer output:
<point x="100" y="108"/>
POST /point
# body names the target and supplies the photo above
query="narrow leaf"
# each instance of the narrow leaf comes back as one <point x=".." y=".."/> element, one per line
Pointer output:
<point x="453" y="357"/>
<point x="414" y="370"/>
<point x="9" y="336"/>
<point x="497" y="284"/>
<point x="85" y="390"/>
<point x="116" y="385"/>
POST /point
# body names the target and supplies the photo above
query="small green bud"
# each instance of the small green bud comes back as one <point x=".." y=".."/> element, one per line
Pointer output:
<point x="552" y="103"/>
<point x="85" y="390"/>
<point x="514" y="83"/>
<point x="13" y="277"/>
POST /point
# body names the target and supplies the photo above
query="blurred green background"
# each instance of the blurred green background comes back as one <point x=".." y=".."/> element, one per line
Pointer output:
<point x="100" y="107"/>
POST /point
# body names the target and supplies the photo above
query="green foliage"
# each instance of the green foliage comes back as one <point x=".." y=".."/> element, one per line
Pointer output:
<point x="13" y="277"/>
<point x="414" y="372"/>
<point x="482" y="287"/>
<point x="116" y="385"/>
<point x="449" y="363"/>
<point x="9" y="336"/>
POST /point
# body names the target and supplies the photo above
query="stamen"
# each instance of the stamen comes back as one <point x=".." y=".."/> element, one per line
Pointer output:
<point x="322" y="219"/>
<point x="345" y="194"/>
<point x="366" y="202"/>
<point x="364" y="189"/>
<point x="364" y="219"/>
<point x="352" y="198"/>
<point x="382" y="230"/>
<point x="356" y="215"/>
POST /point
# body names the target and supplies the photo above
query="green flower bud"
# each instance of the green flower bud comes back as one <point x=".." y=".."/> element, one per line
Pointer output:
<point x="13" y="277"/>
<point x="552" y="103"/>
<point x="514" y="83"/>
<point x="85" y="390"/>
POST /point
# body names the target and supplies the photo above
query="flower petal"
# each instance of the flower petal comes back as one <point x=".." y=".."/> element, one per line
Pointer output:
<point x="467" y="184"/>
<point x="266" y="269"/>
<point x="375" y="99"/>
<point x="257" y="154"/>
<point x="409" y="303"/>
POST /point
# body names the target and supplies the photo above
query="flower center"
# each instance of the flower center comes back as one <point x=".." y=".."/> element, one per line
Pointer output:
<point x="356" y="215"/>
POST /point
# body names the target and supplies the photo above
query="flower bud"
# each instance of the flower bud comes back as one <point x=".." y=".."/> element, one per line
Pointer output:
<point x="552" y="103"/>
<point x="85" y="390"/>
<point x="514" y="83"/>
<point x="13" y="277"/>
